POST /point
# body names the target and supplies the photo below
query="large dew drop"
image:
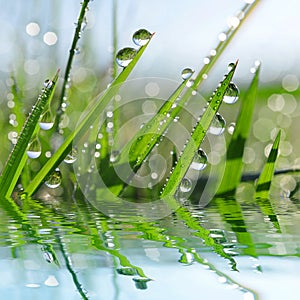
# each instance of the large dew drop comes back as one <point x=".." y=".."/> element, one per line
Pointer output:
<point x="231" y="94"/>
<point x="141" y="37"/>
<point x="186" y="185"/>
<point x="187" y="73"/>
<point x="54" y="179"/>
<point x="125" y="56"/>
<point x="71" y="157"/>
<point x="34" y="149"/>
<point x="217" y="125"/>
<point x="200" y="160"/>
<point x="46" y="121"/>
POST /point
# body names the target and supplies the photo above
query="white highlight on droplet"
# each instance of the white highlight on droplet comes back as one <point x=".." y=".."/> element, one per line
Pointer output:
<point x="233" y="22"/>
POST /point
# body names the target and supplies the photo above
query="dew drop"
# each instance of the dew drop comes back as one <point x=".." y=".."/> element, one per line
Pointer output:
<point x="217" y="125"/>
<point x="200" y="160"/>
<point x="185" y="185"/>
<point x="230" y="66"/>
<point x="71" y="157"/>
<point x="54" y="179"/>
<point x="114" y="156"/>
<point x="77" y="50"/>
<point x="34" y="149"/>
<point x="48" y="83"/>
<point x="141" y="37"/>
<point x="187" y="73"/>
<point x="125" y="56"/>
<point x="46" y="121"/>
<point x="48" y="257"/>
<point x="231" y="128"/>
<point x="231" y="94"/>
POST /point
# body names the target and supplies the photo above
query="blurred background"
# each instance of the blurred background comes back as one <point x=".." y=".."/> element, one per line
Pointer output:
<point x="185" y="33"/>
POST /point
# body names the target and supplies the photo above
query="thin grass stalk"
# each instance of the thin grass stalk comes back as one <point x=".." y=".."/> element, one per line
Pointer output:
<point x="76" y="37"/>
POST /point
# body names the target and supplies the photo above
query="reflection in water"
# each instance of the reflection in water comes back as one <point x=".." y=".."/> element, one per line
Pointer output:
<point x="73" y="251"/>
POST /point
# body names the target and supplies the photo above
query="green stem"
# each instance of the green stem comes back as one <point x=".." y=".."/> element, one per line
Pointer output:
<point x="76" y="37"/>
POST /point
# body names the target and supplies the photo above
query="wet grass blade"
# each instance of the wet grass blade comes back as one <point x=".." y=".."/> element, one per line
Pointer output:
<point x="263" y="185"/>
<point x="94" y="113"/>
<point x="17" y="159"/>
<point x="264" y="181"/>
<point x="18" y="107"/>
<point x="76" y="37"/>
<point x="141" y="145"/>
<point x="197" y="137"/>
<point x="234" y="164"/>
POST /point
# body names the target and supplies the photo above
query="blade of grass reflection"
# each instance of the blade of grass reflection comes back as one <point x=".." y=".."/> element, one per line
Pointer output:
<point x="30" y="232"/>
<point x="68" y="262"/>
<point x="232" y="214"/>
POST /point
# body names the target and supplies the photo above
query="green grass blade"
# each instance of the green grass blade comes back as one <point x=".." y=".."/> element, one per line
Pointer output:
<point x="138" y="151"/>
<point x="152" y="131"/>
<point x="18" y="107"/>
<point x="83" y="126"/>
<point x="76" y="37"/>
<point x="140" y="145"/>
<point x="18" y="157"/>
<point x="197" y="137"/>
<point x="264" y="181"/>
<point x="234" y="164"/>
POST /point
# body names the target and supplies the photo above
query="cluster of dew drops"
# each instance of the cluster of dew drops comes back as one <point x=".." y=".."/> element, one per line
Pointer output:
<point x="217" y="127"/>
<point x="34" y="149"/>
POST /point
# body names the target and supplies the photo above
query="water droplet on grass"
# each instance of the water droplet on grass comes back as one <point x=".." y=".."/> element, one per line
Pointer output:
<point x="187" y="73"/>
<point x="114" y="156"/>
<point x="48" y="257"/>
<point x="231" y="94"/>
<point x="200" y="161"/>
<point x="231" y="128"/>
<point x="54" y="179"/>
<point x="77" y="50"/>
<point x="48" y="83"/>
<point x="230" y="66"/>
<point x="185" y="185"/>
<point x="217" y="125"/>
<point x="125" y="56"/>
<point x="46" y="121"/>
<point x="141" y="37"/>
<point x="34" y="149"/>
<point x="71" y="157"/>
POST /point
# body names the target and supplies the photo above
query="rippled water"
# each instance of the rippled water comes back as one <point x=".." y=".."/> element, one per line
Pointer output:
<point x="72" y="251"/>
